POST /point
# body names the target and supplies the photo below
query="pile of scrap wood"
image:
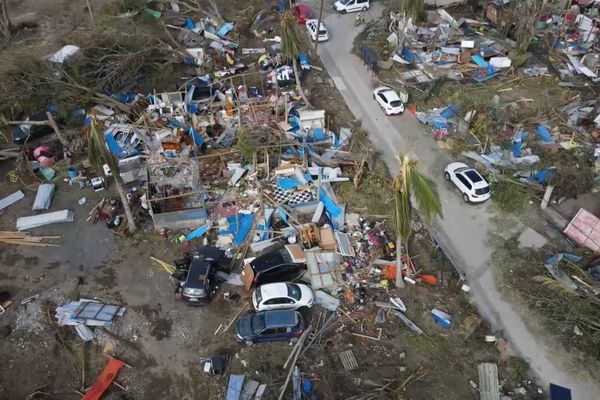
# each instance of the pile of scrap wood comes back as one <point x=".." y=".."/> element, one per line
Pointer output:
<point x="25" y="239"/>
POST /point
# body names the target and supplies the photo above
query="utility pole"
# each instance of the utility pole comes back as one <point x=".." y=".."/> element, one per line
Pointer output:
<point x="319" y="28"/>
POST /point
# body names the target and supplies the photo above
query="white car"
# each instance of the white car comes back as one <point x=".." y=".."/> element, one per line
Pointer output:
<point x="311" y="27"/>
<point x="389" y="100"/>
<point x="471" y="184"/>
<point x="346" y="6"/>
<point x="282" y="295"/>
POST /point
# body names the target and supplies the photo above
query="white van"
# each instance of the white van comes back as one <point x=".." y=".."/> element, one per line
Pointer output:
<point x="346" y="6"/>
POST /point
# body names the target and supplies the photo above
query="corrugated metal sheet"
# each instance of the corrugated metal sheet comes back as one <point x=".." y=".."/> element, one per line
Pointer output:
<point x="584" y="229"/>
<point x="489" y="388"/>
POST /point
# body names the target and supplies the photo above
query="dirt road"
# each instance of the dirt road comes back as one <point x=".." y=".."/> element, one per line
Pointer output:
<point x="465" y="230"/>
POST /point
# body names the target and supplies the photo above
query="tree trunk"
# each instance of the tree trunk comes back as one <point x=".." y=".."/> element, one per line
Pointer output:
<point x="126" y="206"/>
<point x="63" y="140"/>
<point x="4" y="21"/>
<point x="298" y="83"/>
<point x="399" y="281"/>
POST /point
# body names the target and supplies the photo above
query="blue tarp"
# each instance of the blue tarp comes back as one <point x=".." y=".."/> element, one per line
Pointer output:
<point x="198" y="232"/>
<point x="234" y="388"/>
<point x="114" y="147"/>
<point x="225" y="29"/>
<point x="198" y="139"/>
<point x="240" y="227"/>
<point x="444" y="320"/>
<point x="319" y="134"/>
<point x="544" y="133"/>
<point x="330" y="206"/>
<point x="189" y="24"/>
<point x="282" y="214"/>
<point x="542" y="176"/>
<point x="304" y="61"/>
<point x="554" y="260"/>
<point x="288" y="183"/>
<point x="477" y="59"/>
<point x="517" y="148"/>
<point x="450" y="111"/>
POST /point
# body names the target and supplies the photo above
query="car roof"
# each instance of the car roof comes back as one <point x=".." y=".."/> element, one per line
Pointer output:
<point x="473" y="175"/>
<point x="270" y="259"/>
<point x="277" y="318"/>
<point x="389" y="93"/>
<point x="270" y="290"/>
<point x="196" y="277"/>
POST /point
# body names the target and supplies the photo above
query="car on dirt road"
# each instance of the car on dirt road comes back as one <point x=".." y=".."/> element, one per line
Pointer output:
<point x="346" y="6"/>
<point x="270" y="326"/>
<point x="196" y="275"/>
<point x="282" y="295"/>
<point x="302" y="13"/>
<point x="469" y="182"/>
<point x="391" y="102"/>
<point x="311" y="27"/>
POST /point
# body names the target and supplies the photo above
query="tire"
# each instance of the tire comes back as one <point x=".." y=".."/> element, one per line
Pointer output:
<point x="364" y="9"/>
<point x="465" y="197"/>
<point x="249" y="343"/>
<point x="294" y="340"/>
<point x="447" y="176"/>
<point x="344" y="12"/>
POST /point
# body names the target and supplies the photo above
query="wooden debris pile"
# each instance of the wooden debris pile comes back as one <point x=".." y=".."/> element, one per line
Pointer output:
<point x="26" y="239"/>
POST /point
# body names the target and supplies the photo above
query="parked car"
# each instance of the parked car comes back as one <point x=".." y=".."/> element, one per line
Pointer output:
<point x="302" y="13"/>
<point x="346" y="6"/>
<point x="269" y="326"/>
<point x="25" y="132"/>
<point x="273" y="266"/>
<point x="311" y="27"/>
<point x="282" y="295"/>
<point x="471" y="184"/>
<point x="196" y="275"/>
<point x="389" y="100"/>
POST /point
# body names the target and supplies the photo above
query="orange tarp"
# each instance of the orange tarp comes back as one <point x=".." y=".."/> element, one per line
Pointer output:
<point x="105" y="379"/>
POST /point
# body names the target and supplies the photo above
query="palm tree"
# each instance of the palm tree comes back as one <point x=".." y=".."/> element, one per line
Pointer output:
<point x="411" y="183"/>
<point x="290" y="47"/>
<point x="99" y="155"/>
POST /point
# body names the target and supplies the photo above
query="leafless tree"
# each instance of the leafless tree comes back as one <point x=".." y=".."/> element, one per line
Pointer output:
<point x="4" y="21"/>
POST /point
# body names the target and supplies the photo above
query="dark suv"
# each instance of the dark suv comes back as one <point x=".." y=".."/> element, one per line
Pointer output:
<point x="196" y="274"/>
<point x="269" y="326"/>
<point x="273" y="266"/>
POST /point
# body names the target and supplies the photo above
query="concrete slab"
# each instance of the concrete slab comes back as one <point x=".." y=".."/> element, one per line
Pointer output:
<point x="531" y="239"/>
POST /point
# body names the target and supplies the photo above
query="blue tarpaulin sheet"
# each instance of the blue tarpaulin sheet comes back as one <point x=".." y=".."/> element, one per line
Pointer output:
<point x="240" y="227"/>
<point x="288" y="183"/>
<point x="198" y="139"/>
<point x="444" y="320"/>
<point x="319" y="134"/>
<point x="556" y="258"/>
<point x="114" y="147"/>
<point x="198" y="232"/>
<point x="450" y="111"/>
<point x="225" y="29"/>
<point x="304" y="61"/>
<point x="234" y="388"/>
<point x="440" y="124"/>
<point x="189" y="23"/>
<point x="330" y="206"/>
<point x="517" y="148"/>
<point x="477" y="59"/>
<point x="543" y="132"/>
<point x="282" y="214"/>
<point x="542" y="176"/>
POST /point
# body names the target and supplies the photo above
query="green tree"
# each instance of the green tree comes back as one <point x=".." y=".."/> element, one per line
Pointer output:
<point x="409" y="182"/>
<point x="99" y="155"/>
<point x="290" y="47"/>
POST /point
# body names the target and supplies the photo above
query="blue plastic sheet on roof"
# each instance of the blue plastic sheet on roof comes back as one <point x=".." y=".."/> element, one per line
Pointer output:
<point x="240" y="227"/>
<point x="330" y="206"/>
<point x="319" y="134"/>
<point x="114" y="147"/>
<point x="198" y="232"/>
<point x="288" y="183"/>
<point x="225" y="29"/>
<point x="543" y="132"/>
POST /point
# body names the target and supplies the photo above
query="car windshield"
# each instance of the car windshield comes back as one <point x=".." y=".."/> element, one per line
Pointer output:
<point x="344" y="2"/>
<point x="322" y="32"/>
<point x="258" y="322"/>
<point x="395" y="103"/>
<point x="293" y="291"/>
<point x="483" y="190"/>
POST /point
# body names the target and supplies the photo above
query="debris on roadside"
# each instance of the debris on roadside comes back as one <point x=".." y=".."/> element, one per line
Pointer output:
<point x="84" y="313"/>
